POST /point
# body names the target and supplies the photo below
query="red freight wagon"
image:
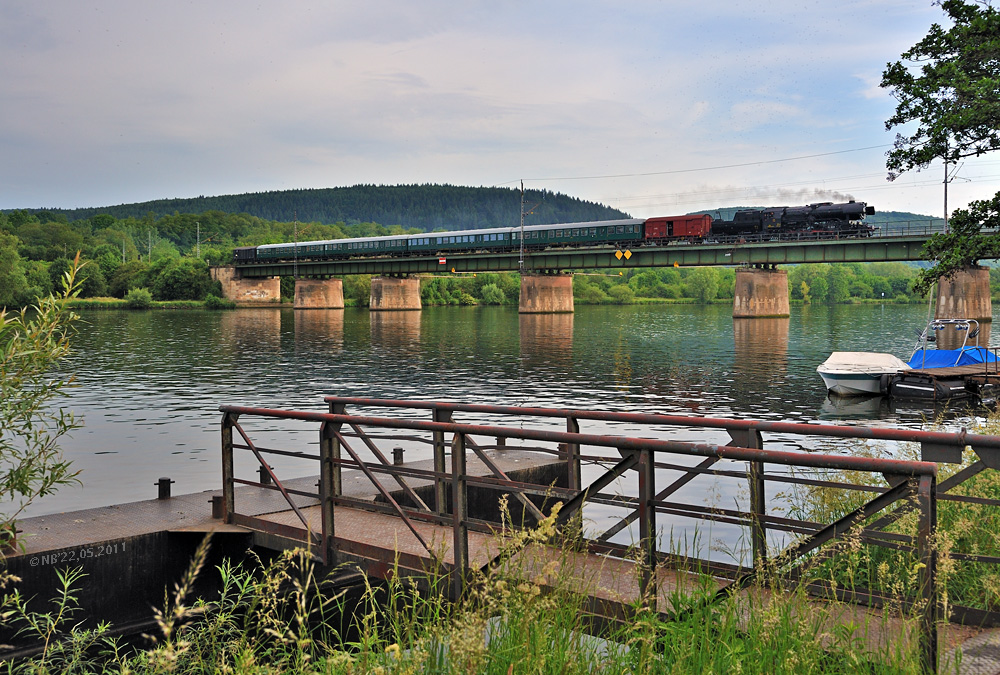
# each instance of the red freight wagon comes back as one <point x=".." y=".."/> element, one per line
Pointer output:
<point x="678" y="226"/>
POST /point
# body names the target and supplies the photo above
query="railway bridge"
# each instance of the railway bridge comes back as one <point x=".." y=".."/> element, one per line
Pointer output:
<point x="546" y="285"/>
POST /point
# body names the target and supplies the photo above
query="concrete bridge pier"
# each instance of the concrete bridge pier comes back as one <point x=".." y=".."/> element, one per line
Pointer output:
<point x="241" y="290"/>
<point x="965" y="296"/>
<point x="395" y="293"/>
<point x="319" y="294"/>
<point x="546" y="293"/>
<point x="760" y="292"/>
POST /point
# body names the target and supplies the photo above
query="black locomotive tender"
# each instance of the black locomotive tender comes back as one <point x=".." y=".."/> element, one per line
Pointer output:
<point x="813" y="221"/>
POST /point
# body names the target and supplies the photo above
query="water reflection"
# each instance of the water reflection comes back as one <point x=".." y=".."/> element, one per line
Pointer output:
<point x="396" y="330"/>
<point x="546" y="339"/>
<point x="251" y="329"/>
<point x="854" y="407"/>
<point x="760" y="354"/>
<point x="319" y="331"/>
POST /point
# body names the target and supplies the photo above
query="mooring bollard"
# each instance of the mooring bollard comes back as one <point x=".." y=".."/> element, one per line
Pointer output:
<point x="397" y="455"/>
<point x="163" y="486"/>
<point x="265" y="477"/>
<point x="217" y="503"/>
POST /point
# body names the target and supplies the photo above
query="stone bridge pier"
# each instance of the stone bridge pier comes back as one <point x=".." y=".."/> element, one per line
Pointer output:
<point x="546" y="294"/>
<point x="965" y="296"/>
<point x="760" y="292"/>
<point x="241" y="290"/>
<point x="319" y="294"/>
<point x="394" y="293"/>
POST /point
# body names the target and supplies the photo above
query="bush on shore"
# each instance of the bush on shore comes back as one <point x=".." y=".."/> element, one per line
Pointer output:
<point x="139" y="298"/>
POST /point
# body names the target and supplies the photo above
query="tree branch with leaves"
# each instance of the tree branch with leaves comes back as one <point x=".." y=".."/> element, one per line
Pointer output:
<point x="948" y="86"/>
<point x="33" y="344"/>
<point x="964" y="245"/>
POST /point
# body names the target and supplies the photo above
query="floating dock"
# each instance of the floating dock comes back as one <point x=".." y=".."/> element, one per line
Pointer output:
<point x="976" y="381"/>
<point x="133" y="553"/>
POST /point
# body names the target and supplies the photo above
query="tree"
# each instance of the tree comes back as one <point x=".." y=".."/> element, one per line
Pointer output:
<point x="804" y="292"/>
<point x="621" y="294"/>
<point x="820" y="289"/>
<point x="182" y="279"/>
<point x="32" y="345"/>
<point x="950" y="88"/>
<point x="954" y="97"/>
<point x="964" y="244"/>
<point x="493" y="295"/>
<point x="126" y="277"/>
<point x="13" y="283"/>
<point x="703" y="284"/>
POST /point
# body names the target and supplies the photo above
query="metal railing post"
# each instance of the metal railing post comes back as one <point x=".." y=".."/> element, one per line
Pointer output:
<point x="647" y="528"/>
<point x="440" y="465"/>
<point x="573" y="478"/>
<point x="328" y="485"/>
<point x="337" y="482"/>
<point x="228" y="489"/>
<point x="927" y="576"/>
<point x="459" y="516"/>
<point x="758" y="510"/>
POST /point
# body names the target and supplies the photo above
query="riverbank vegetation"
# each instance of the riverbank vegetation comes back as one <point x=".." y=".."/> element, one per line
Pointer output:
<point x="33" y="344"/>
<point x="967" y="525"/>
<point x="170" y="256"/>
<point x="279" y="617"/>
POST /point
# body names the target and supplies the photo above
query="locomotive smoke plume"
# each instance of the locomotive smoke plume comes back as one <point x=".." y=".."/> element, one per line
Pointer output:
<point x="806" y="196"/>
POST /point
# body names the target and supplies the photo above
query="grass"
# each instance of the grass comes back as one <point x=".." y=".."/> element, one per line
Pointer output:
<point x="279" y="617"/>
<point x="119" y="303"/>
<point x="963" y="528"/>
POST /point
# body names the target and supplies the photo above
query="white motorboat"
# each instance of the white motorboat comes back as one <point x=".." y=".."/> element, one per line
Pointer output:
<point x="858" y="373"/>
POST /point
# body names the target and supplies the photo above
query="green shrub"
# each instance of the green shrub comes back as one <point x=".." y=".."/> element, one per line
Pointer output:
<point x="493" y="295"/>
<point x="139" y="298"/>
<point x="215" y="302"/>
<point x="621" y="295"/>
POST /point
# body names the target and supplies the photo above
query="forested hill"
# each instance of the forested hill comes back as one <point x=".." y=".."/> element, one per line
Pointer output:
<point x="427" y="207"/>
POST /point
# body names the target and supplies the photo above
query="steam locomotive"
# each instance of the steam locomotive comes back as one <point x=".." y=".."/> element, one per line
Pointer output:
<point x="811" y="221"/>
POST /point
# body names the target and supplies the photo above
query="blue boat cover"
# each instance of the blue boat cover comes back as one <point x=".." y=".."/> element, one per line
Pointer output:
<point x="946" y="358"/>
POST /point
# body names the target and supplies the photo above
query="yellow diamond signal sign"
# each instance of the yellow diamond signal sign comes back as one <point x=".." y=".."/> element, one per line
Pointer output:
<point x="618" y="254"/>
<point x="628" y="254"/>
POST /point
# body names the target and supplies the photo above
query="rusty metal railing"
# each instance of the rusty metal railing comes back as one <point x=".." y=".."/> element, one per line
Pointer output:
<point x="935" y="446"/>
<point x="910" y="485"/>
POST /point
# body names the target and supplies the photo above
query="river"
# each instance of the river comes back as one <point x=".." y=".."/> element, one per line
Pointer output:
<point x="149" y="383"/>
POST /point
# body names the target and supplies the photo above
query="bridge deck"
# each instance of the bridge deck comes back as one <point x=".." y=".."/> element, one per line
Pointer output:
<point x="889" y="247"/>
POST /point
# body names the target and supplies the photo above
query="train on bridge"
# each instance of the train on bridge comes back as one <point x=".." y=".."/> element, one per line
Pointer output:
<point x="813" y="221"/>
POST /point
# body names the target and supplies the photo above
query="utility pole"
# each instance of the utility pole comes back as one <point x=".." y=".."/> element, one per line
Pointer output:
<point x="949" y="176"/>
<point x="520" y="261"/>
<point x="123" y="251"/>
<point x="149" y="246"/>
<point x="946" y="195"/>
<point x="198" y="245"/>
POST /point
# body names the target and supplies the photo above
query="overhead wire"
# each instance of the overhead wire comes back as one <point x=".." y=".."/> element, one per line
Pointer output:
<point x="756" y="192"/>
<point x="706" y="168"/>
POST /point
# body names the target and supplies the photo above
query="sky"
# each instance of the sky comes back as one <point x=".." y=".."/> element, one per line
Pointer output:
<point x="655" y="108"/>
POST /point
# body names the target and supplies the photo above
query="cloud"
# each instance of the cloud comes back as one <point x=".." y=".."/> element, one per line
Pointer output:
<point x="750" y="114"/>
<point x="111" y="101"/>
